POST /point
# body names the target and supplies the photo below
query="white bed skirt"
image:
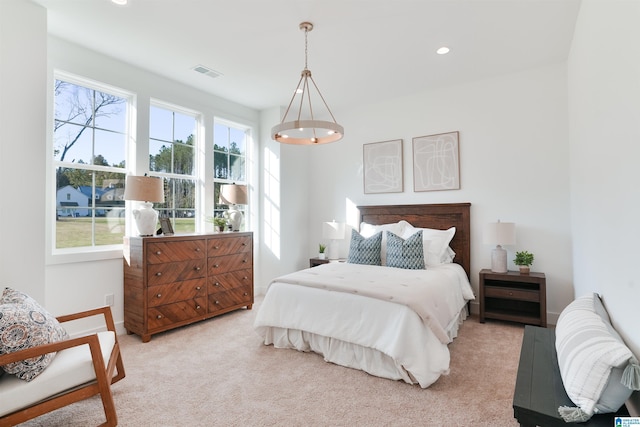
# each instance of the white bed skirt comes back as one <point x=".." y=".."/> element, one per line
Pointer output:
<point x="435" y="361"/>
<point x="339" y="352"/>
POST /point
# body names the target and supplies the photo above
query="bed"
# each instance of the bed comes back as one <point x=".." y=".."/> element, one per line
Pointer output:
<point x="382" y="320"/>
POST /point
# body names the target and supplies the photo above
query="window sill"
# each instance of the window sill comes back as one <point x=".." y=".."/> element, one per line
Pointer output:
<point x="73" y="255"/>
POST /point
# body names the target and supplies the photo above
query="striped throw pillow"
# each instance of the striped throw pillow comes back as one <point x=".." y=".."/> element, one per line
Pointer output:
<point x="598" y="370"/>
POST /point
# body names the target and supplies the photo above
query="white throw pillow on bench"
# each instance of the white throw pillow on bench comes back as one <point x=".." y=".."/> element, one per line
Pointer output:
<point x="598" y="370"/>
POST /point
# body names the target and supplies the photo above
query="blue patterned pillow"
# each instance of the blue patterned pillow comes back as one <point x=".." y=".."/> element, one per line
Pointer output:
<point x="24" y="324"/>
<point x="407" y="254"/>
<point x="365" y="251"/>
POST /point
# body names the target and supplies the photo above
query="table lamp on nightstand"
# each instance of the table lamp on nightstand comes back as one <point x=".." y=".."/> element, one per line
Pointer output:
<point x="499" y="233"/>
<point x="333" y="231"/>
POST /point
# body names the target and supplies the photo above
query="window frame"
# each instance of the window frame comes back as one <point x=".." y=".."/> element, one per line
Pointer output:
<point x="198" y="154"/>
<point x="247" y="130"/>
<point x="137" y="162"/>
<point x="83" y="253"/>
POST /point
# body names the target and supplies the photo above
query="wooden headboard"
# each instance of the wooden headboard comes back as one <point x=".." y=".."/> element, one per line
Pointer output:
<point x="438" y="216"/>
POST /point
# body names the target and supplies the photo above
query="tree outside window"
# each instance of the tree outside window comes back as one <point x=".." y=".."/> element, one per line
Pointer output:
<point x="172" y="144"/>
<point x="89" y="150"/>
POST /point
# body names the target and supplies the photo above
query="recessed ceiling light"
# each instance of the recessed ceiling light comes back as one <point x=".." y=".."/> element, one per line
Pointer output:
<point x="443" y="50"/>
<point x="120" y="2"/>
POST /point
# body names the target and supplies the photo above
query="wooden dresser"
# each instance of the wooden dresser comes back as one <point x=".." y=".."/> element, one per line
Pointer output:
<point x="171" y="281"/>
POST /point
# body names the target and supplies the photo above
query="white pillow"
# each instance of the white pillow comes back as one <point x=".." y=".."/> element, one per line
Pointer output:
<point x="598" y="370"/>
<point x="436" y="244"/>
<point x="367" y="230"/>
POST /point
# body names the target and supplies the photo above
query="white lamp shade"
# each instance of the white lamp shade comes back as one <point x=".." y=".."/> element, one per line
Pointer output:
<point x="233" y="194"/>
<point x="500" y="233"/>
<point x="333" y="230"/>
<point x="144" y="189"/>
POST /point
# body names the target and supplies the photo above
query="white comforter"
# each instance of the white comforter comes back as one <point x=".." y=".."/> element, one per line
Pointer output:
<point x="357" y="328"/>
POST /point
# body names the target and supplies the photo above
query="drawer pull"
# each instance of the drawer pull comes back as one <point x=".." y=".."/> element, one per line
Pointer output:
<point x="159" y="253"/>
<point x="216" y="265"/>
<point x="197" y="269"/>
<point x="245" y="261"/>
<point x="245" y="294"/>
<point x="510" y="294"/>
<point x="197" y="249"/>
<point x="159" y="273"/>
<point x="217" y="302"/>
<point x="245" y="277"/>
<point x="198" y="288"/>
<point x="197" y="307"/>
<point x="216" y="284"/>
<point x="244" y="243"/>
<point x="216" y="247"/>
<point x="159" y="316"/>
<point x="159" y="296"/>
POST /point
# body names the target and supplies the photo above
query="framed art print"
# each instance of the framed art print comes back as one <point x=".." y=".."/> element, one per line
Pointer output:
<point x="382" y="166"/>
<point x="436" y="162"/>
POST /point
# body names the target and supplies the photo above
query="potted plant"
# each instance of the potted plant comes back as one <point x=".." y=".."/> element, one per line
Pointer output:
<point x="523" y="260"/>
<point x="220" y="222"/>
<point x="321" y="249"/>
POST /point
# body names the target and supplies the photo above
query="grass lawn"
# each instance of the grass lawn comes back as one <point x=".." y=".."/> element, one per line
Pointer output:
<point x="75" y="232"/>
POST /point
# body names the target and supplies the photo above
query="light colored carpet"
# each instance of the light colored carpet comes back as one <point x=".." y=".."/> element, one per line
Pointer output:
<point x="218" y="373"/>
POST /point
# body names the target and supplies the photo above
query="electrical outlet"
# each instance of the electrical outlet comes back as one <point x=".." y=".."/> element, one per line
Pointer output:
<point x="108" y="300"/>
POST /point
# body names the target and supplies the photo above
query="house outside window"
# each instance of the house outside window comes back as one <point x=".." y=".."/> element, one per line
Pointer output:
<point x="91" y="130"/>
<point x="230" y="143"/>
<point x="172" y="156"/>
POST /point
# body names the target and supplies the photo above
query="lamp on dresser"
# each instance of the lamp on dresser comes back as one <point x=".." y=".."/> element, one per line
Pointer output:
<point x="333" y="231"/>
<point x="233" y="195"/>
<point x="499" y="233"/>
<point x="145" y="189"/>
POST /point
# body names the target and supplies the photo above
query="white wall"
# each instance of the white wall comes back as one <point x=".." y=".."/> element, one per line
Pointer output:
<point x="604" y="101"/>
<point x="514" y="157"/>
<point x="283" y="205"/>
<point x="23" y="88"/>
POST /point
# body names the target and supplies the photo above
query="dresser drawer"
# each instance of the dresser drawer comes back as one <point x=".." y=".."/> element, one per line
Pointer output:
<point x="162" y="252"/>
<point x="175" y="271"/>
<point x="225" y="299"/>
<point x="177" y="312"/>
<point x="177" y="291"/>
<point x="229" y="245"/>
<point x="226" y="281"/>
<point x="511" y="293"/>
<point x="226" y="263"/>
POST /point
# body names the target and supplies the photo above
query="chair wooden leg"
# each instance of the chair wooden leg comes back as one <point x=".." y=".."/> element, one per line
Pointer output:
<point x="109" y="408"/>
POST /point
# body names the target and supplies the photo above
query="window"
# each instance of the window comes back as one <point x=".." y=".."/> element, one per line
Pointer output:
<point x="172" y="155"/>
<point x="94" y="147"/>
<point x="230" y="160"/>
<point x="89" y="156"/>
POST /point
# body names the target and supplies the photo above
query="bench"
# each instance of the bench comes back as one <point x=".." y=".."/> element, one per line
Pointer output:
<point x="539" y="390"/>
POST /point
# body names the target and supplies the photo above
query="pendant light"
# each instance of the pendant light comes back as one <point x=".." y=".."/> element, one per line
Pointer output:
<point x="306" y="131"/>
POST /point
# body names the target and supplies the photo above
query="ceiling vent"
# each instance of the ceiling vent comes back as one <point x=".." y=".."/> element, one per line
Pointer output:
<point x="206" y="71"/>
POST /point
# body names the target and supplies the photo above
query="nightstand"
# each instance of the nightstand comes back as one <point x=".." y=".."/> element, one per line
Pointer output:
<point x="513" y="296"/>
<point x="313" y="262"/>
